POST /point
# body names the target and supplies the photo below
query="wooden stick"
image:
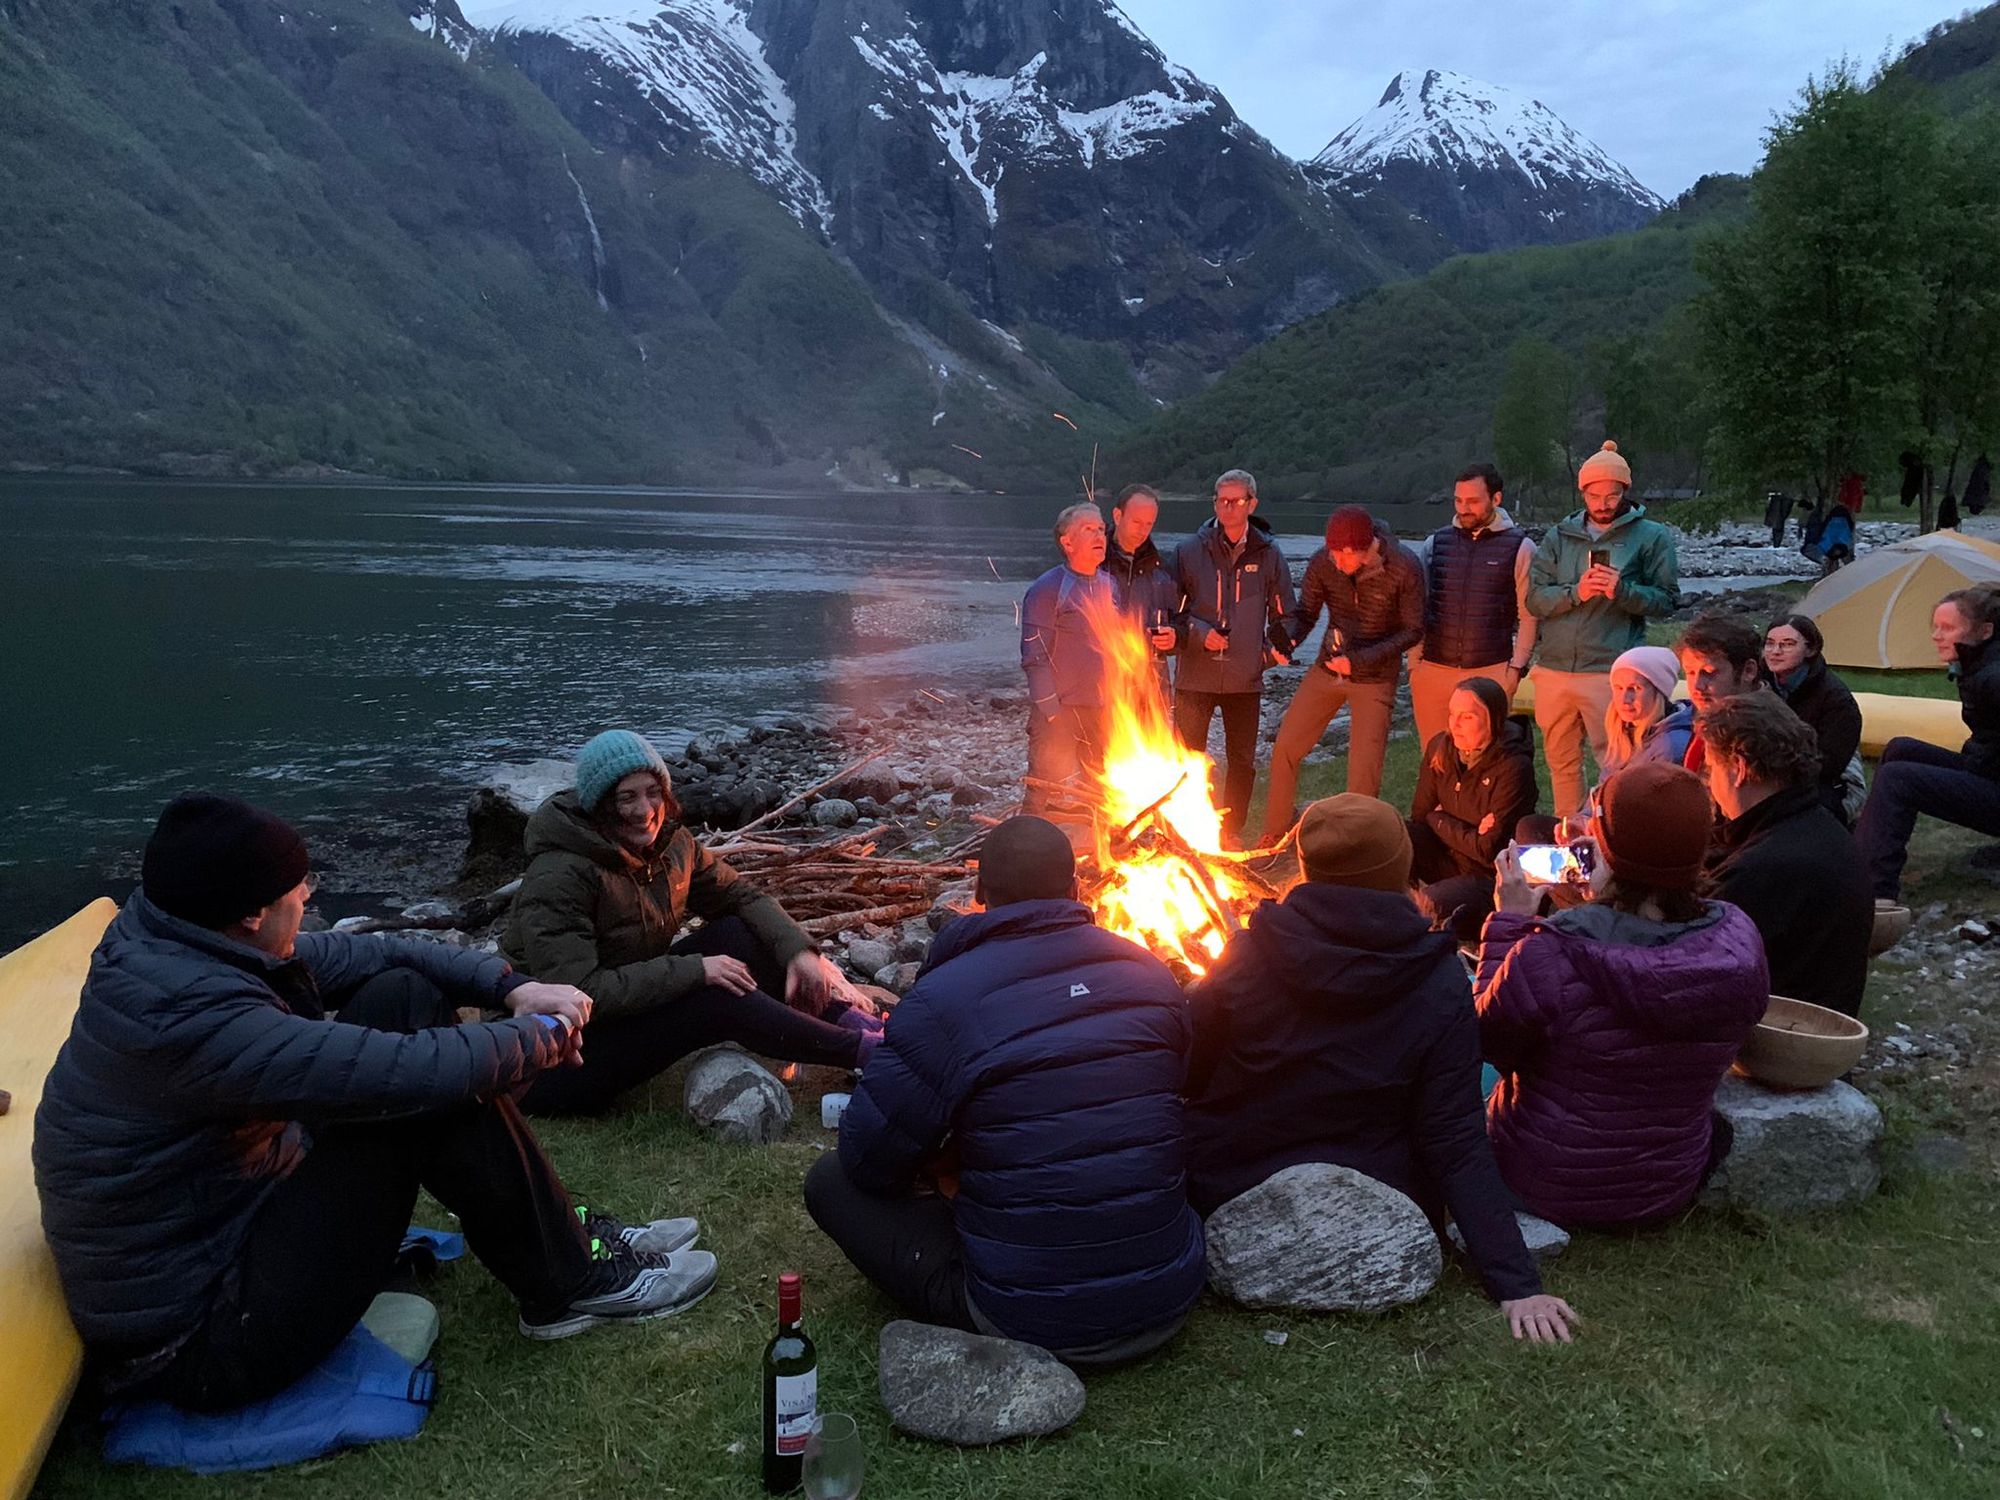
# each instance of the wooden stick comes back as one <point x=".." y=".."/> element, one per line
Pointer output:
<point x="784" y="807"/>
<point x="880" y="915"/>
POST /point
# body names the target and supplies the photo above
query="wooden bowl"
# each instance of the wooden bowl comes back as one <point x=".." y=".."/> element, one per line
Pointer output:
<point x="1801" y="1046"/>
<point x="1892" y="925"/>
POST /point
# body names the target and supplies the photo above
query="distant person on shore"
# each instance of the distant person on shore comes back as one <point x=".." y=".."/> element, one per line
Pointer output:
<point x="612" y="876"/>
<point x="1475" y="786"/>
<point x="1782" y="856"/>
<point x="1062" y="658"/>
<point x="226" y="1173"/>
<point x="1235" y="589"/>
<point x="1012" y="1162"/>
<point x="1337" y="1027"/>
<point x="1596" y="578"/>
<point x="1476" y="617"/>
<point x="1956" y="786"/>
<point x="1777" y="510"/>
<point x="1147" y="589"/>
<point x="1612" y="1023"/>
<point x="1795" y="656"/>
<point x="1371" y="589"/>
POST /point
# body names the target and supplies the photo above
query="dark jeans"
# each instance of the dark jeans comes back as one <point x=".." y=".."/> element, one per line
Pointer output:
<point x="620" y="1052"/>
<point x="325" y="1240"/>
<point x="1455" y="896"/>
<point x="907" y="1247"/>
<point x="1193" y="712"/>
<point x="1063" y="749"/>
<point x="1916" y="778"/>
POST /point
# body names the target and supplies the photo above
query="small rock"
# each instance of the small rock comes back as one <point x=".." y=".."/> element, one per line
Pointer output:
<point x="955" y="900"/>
<point x="431" y="911"/>
<point x="937" y="805"/>
<point x="897" y="978"/>
<point x="731" y="1096"/>
<point x="1322" y="1238"/>
<point x="355" y="924"/>
<point x="836" y="812"/>
<point x="870" y="956"/>
<point x="1545" y="1241"/>
<point x="704" y="748"/>
<point x="1973" y="931"/>
<point x="969" y="794"/>
<point x="870" y="809"/>
<point x="971" y="1391"/>
<point x="913" y="941"/>
<point x="1277" y="1337"/>
<point x="1796" y="1151"/>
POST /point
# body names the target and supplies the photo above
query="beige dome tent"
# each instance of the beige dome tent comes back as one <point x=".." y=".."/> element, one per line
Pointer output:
<point x="1876" y="611"/>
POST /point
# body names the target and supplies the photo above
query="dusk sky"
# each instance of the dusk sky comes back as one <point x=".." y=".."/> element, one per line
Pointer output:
<point x="1671" y="88"/>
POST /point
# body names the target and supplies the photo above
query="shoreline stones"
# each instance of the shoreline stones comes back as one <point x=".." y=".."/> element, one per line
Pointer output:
<point x="1796" y="1152"/>
<point x="733" y="1097"/>
<point x="972" y="1391"/>
<point x="1322" y="1238"/>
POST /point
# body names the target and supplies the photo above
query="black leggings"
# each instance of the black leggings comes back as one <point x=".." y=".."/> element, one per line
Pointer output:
<point x="325" y="1240"/>
<point x="622" y="1052"/>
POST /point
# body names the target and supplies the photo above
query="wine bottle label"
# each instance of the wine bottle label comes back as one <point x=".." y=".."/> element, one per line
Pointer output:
<point x="797" y="1404"/>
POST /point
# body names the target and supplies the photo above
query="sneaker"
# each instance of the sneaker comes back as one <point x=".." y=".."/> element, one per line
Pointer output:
<point x="661" y="1237"/>
<point x="627" y="1286"/>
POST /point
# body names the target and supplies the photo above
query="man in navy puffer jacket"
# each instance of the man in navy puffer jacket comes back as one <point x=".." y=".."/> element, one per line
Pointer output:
<point x="1039" y="1062"/>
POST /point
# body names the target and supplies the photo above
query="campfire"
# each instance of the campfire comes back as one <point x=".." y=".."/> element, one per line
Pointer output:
<point x="1158" y="872"/>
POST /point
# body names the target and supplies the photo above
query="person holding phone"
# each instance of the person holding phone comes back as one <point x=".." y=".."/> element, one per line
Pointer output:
<point x="1595" y="580"/>
<point x="1612" y="1023"/>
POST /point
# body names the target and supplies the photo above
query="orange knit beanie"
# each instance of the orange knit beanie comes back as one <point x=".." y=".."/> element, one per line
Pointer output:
<point x="1605" y="463"/>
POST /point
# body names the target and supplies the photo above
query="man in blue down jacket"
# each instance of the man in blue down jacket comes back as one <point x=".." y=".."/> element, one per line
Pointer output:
<point x="1037" y="1064"/>
<point x="226" y="1174"/>
<point x="1062" y="657"/>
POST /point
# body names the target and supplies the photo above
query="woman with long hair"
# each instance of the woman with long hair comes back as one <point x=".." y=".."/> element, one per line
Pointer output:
<point x="1795" y="655"/>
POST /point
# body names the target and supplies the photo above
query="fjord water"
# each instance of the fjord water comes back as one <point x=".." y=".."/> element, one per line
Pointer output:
<point x="355" y="657"/>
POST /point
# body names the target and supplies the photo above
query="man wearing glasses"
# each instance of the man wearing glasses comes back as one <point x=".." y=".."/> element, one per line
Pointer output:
<point x="1236" y="590"/>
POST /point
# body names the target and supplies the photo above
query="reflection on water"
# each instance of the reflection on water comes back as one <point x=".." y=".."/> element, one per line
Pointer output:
<point x="355" y="657"/>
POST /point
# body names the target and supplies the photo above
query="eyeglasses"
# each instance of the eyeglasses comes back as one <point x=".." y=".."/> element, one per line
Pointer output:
<point x="311" y="883"/>
<point x="1232" y="501"/>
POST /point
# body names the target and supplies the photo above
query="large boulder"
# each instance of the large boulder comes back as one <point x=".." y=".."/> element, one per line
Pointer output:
<point x="1796" y="1151"/>
<point x="961" y="1388"/>
<point x="1323" y="1239"/>
<point x="731" y="1096"/>
<point x="497" y="818"/>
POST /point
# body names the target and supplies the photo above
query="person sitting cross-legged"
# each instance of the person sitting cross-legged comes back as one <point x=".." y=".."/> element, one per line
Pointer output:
<point x="226" y="1174"/>
<point x="1476" y="783"/>
<point x="1612" y="1023"/>
<point x="1012" y="1162"/>
<point x="1782" y="855"/>
<point x="1337" y="1027"/>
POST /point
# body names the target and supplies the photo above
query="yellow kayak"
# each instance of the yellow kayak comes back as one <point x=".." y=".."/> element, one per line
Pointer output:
<point x="1884" y="716"/>
<point x="39" y="985"/>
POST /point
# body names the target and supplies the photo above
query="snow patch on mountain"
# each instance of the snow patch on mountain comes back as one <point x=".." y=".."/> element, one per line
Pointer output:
<point x="701" y="66"/>
<point x="1448" y="121"/>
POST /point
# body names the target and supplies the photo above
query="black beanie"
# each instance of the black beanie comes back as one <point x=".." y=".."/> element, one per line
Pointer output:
<point x="215" y="860"/>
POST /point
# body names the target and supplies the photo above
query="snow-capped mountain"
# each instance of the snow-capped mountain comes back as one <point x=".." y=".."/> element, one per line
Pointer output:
<point x="1488" y="168"/>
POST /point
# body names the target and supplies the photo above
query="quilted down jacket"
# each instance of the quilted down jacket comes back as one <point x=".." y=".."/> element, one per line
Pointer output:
<point x="193" y="1077"/>
<point x="1052" y="1053"/>
<point x="1611" y="1033"/>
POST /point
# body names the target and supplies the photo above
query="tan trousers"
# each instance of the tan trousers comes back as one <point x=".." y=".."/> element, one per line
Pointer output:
<point x="1319" y="697"/>
<point x="1570" y="708"/>
<point x="1431" y="688"/>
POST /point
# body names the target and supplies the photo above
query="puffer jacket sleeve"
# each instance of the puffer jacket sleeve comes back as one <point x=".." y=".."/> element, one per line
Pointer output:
<point x="1547" y="597"/>
<point x="1653" y="588"/>
<point x="1278" y="609"/>
<point x="1520" y="978"/>
<point x="555" y="917"/>
<point x="1450" y="1130"/>
<point x="235" y="1054"/>
<point x="904" y="1105"/>
<point x="1511" y="799"/>
<point x="1300" y="618"/>
<point x="1425" y="802"/>
<point x="1405" y="582"/>
<point x="716" y="890"/>
<point x="341" y="960"/>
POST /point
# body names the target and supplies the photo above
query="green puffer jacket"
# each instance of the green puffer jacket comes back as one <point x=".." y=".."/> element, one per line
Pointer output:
<point x="591" y="914"/>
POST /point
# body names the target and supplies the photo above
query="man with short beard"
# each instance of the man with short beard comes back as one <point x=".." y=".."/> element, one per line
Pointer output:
<point x="1476" y="617"/>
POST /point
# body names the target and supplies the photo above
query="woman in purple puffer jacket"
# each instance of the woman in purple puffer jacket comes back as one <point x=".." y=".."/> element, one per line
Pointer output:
<point x="1612" y="1023"/>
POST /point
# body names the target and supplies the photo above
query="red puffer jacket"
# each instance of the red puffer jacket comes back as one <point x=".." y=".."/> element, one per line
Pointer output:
<point x="1611" y="1033"/>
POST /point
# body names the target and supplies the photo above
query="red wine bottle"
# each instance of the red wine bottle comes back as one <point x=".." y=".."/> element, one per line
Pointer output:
<point x="791" y="1393"/>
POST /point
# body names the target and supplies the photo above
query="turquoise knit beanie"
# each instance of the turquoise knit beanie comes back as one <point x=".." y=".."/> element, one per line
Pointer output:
<point x="608" y="759"/>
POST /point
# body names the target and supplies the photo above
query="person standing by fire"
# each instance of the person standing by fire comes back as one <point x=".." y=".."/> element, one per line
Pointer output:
<point x="1145" y="583"/>
<point x="1372" y="589"/>
<point x="1062" y="658"/>
<point x="1236" y="589"/>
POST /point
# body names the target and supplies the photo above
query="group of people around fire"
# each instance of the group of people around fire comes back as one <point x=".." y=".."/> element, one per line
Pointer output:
<point x="231" y="1143"/>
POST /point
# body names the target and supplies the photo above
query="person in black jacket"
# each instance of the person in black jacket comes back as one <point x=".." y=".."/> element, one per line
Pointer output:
<point x="226" y="1174"/>
<point x="1336" y="1027"/>
<point x="1795" y="654"/>
<point x="1783" y="857"/>
<point x="1961" y="786"/>
<point x="1372" y="589"/>
<point x="1477" y="781"/>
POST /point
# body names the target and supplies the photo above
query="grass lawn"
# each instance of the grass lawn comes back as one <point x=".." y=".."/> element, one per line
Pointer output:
<point x="1852" y="1355"/>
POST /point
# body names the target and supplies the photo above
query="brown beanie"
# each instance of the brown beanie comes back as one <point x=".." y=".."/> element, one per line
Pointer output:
<point x="1655" y="818"/>
<point x="1355" y="840"/>
<point x="1605" y="463"/>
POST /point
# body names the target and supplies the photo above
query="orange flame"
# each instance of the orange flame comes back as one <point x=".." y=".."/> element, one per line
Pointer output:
<point x="1166" y="883"/>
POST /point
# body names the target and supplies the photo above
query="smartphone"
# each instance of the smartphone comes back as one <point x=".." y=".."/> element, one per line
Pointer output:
<point x="1556" y="864"/>
<point x="1600" y="557"/>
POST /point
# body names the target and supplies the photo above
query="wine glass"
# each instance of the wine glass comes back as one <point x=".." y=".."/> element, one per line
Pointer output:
<point x="834" y="1459"/>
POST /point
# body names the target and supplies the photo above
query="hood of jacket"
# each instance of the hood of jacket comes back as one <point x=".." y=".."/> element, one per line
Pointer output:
<point x="1632" y="963"/>
<point x="1016" y="919"/>
<point x="1577" y="523"/>
<point x="1256" y="539"/>
<point x="1501" y="522"/>
<point x="1375" y="946"/>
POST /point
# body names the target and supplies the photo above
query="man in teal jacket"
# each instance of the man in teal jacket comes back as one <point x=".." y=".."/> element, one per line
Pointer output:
<point x="1596" y="577"/>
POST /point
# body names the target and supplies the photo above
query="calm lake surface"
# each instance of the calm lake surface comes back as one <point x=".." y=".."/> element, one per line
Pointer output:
<point x="357" y="657"/>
